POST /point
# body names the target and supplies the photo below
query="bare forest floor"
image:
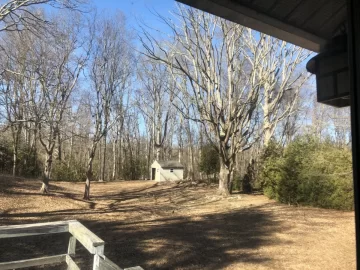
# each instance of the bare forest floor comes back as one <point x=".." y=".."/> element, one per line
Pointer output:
<point x="179" y="227"/>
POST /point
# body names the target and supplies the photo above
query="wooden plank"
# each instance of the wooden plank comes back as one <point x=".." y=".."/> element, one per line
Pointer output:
<point x="72" y="245"/>
<point x="71" y="264"/>
<point x="96" y="265"/>
<point x="34" y="229"/>
<point x="88" y="239"/>
<point x="33" y="262"/>
<point x="106" y="264"/>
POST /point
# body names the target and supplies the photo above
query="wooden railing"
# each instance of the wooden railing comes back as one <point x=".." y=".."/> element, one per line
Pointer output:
<point x="78" y="233"/>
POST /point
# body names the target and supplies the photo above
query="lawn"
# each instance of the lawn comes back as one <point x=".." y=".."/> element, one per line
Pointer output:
<point x="179" y="226"/>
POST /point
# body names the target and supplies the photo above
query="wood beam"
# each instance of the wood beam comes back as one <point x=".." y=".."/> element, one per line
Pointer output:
<point x="71" y="264"/>
<point x="34" y="229"/>
<point x="106" y="264"/>
<point x="88" y="239"/>
<point x="33" y="262"/>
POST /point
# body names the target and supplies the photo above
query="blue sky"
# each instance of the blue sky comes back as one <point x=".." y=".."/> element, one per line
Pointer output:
<point x="138" y="10"/>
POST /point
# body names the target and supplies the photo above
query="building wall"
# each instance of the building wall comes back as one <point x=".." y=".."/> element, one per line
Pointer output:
<point x="158" y="169"/>
<point x="167" y="175"/>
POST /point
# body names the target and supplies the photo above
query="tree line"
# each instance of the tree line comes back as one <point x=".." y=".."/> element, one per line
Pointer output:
<point x="83" y="97"/>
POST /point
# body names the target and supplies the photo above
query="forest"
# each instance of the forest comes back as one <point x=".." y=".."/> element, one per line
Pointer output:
<point x="84" y="97"/>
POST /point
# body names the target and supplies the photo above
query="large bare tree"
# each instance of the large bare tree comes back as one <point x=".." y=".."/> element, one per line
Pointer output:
<point x="221" y="89"/>
<point x="110" y="72"/>
<point x="154" y="100"/>
<point x="236" y="80"/>
<point x="278" y="70"/>
<point x="58" y="61"/>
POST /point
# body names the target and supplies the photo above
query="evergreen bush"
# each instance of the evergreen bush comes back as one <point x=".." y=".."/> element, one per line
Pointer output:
<point x="209" y="162"/>
<point x="308" y="172"/>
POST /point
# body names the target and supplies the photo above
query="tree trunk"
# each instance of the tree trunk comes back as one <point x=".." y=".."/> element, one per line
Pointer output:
<point x="100" y="163"/>
<point x="149" y="157"/>
<point x="267" y="135"/>
<point x="89" y="172"/>
<point x="71" y="149"/>
<point x="266" y="120"/>
<point x="191" y="161"/>
<point x="158" y="144"/>
<point x="114" y="159"/>
<point x="47" y="173"/>
<point x="158" y="149"/>
<point x="15" y="158"/>
<point x="33" y="149"/>
<point x="191" y="150"/>
<point x="59" y="157"/>
<point x="224" y="179"/>
<point x="103" y="162"/>
<point x="120" y="158"/>
<point x="16" y="134"/>
<point x="201" y="132"/>
<point x="87" y="182"/>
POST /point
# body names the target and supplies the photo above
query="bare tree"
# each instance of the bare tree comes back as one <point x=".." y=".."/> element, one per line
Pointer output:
<point x="110" y="73"/>
<point x="205" y="51"/>
<point x="17" y="15"/>
<point x="340" y="121"/>
<point x="58" y="61"/>
<point x="330" y="123"/>
<point x="278" y="70"/>
<point x="155" y="101"/>
<point x="12" y="96"/>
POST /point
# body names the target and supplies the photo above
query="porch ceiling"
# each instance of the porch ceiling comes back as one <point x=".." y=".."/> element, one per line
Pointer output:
<point x="306" y="23"/>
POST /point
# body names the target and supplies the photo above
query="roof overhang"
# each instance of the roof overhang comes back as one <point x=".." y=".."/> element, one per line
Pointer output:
<point x="264" y="21"/>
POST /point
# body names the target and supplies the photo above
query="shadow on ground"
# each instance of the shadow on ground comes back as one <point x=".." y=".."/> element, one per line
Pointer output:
<point x="170" y="241"/>
<point x="209" y="242"/>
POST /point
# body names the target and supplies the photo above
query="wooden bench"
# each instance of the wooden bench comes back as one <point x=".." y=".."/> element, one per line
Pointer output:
<point x="78" y="233"/>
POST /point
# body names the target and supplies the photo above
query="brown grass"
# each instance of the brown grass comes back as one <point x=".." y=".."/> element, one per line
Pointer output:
<point x="180" y="227"/>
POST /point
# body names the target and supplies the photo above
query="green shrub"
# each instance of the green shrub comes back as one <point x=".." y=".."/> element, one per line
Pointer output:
<point x="308" y="172"/>
<point x="209" y="162"/>
<point x="271" y="172"/>
<point x="6" y="157"/>
<point x="248" y="181"/>
<point x="237" y="182"/>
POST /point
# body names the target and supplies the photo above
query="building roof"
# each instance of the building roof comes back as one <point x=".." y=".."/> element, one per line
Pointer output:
<point x="306" y="23"/>
<point x="173" y="164"/>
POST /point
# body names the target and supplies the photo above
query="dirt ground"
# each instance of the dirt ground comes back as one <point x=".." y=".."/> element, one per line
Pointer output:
<point x="177" y="226"/>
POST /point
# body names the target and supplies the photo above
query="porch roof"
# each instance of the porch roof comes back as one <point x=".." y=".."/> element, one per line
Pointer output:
<point x="306" y="23"/>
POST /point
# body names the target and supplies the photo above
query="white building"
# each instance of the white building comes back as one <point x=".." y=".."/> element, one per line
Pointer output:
<point x="167" y="171"/>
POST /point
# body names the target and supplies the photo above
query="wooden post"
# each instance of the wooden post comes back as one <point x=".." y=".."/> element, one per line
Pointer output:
<point x="79" y="232"/>
<point x="96" y="265"/>
<point x="353" y="7"/>
<point x="72" y="246"/>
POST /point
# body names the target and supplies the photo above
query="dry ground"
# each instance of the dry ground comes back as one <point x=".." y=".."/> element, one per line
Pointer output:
<point x="178" y="227"/>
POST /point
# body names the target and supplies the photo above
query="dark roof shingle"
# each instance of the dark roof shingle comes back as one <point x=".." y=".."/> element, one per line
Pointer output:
<point x="171" y="164"/>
